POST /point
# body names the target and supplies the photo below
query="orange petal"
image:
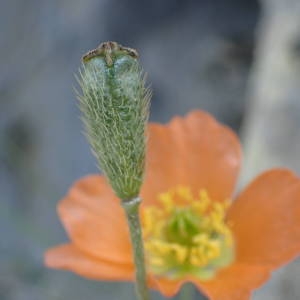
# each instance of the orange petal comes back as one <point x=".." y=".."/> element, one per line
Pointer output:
<point x="165" y="286"/>
<point x="94" y="220"/>
<point x="235" y="283"/>
<point x="68" y="257"/>
<point x="195" y="151"/>
<point x="266" y="219"/>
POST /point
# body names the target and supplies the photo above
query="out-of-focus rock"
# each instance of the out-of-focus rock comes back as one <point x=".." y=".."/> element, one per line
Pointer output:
<point x="271" y="132"/>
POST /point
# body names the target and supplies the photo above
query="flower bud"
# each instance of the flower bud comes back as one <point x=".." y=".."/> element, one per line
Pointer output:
<point x="115" y="107"/>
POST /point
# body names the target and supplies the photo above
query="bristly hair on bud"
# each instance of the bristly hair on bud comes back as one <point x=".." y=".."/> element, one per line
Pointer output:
<point x="115" y="107"/>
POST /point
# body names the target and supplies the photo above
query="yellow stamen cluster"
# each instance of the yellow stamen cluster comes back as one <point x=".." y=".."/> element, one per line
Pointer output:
<point x="185" y="234"/>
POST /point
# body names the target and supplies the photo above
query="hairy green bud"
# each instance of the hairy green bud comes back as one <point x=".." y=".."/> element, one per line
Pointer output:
<point x="115" y="107"/>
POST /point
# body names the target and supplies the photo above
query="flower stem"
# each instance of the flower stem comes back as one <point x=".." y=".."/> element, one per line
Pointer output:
<point x="131" y="208"/>
<point x="187" y="292"/>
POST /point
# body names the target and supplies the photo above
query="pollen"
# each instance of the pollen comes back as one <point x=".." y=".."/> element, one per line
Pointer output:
<point x="186" y="234"/>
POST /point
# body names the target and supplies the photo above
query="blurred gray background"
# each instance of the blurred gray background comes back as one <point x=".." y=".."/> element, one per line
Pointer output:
<point x="238" y="59"/>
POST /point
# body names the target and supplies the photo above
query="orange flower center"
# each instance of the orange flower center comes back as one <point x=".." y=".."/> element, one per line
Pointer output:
<point x="187" y="235"/>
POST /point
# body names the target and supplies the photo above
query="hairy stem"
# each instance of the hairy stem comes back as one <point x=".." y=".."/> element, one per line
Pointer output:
<point x="131" y="208"/>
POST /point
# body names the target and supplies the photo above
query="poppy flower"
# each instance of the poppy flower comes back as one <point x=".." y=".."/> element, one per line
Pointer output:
<point x="192" y="230"/>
